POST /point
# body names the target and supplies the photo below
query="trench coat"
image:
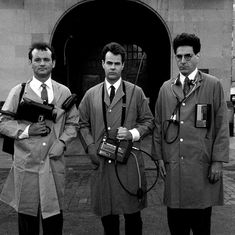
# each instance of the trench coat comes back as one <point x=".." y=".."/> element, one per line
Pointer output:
<point x="107" y="195"/>
<point x="189" y="157"/>
<point x="35" y="176"/>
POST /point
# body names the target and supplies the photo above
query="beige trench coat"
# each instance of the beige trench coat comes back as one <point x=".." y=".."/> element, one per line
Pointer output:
<point x="107" y="195"/>
<point x="189" y="158"/>
<point x="36" y="178"/>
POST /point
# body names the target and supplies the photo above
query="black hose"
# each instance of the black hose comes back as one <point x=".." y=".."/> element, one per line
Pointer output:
<point x="140" y="193"/>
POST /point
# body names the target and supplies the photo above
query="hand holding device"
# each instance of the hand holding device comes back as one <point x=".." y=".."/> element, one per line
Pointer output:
<point x="123" y="134"/>
<point x="39" y="128"/>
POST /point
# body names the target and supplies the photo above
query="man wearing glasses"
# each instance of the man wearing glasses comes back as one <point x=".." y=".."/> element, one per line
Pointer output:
<point x="191" y="141"/>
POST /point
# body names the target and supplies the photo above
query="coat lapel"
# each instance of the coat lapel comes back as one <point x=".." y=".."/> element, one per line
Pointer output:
<point x="30" y="94"/>
<point x="106" y="95"/>
<point x="198" y="79"/>
<point x="177" y="88"/>
<point x="119" y="94"/>
<point x="56" y="92"/>
<point x="197" y="84"/>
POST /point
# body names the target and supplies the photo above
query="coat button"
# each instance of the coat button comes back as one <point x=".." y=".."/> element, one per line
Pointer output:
<point x="181" y="122"/>
<point x="109" y="161"/>
<point x="109" y="128"/>
<point x="110" y="110"/>
<point x="181" y="139"/>
<point x="182" y="158"/>
<point x="183" y="104"/>
<point x="44" y="143"/>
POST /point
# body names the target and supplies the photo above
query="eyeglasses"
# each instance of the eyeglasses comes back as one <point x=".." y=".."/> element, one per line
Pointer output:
<point x="187" y="57"/>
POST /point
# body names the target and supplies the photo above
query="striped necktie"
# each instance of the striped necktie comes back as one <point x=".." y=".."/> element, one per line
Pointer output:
<point x="112" y="93"/>
<point x="44" y="94"/>
<point x="186" y="88"/>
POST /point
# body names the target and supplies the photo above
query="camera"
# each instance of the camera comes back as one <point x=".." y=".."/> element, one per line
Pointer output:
<point x="32" y="111"/>
<point x="115" y="150"/>
<point x="203" y="115"/>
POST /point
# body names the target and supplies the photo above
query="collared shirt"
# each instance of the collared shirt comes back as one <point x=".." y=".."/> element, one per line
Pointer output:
<point x="116" y="85"/>
<point x="191" y="76"/>
<point x="134" y="132"/>
<point x="35" y="84"/>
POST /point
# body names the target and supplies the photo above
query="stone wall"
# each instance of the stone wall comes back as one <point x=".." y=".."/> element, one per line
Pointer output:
<point x="26" y="21"/>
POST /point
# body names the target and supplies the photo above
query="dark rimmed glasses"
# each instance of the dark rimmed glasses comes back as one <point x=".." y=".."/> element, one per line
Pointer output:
<point x="187" y="57"/>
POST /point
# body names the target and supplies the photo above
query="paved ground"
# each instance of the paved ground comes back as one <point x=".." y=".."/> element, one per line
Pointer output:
<point x="79" y="220"/>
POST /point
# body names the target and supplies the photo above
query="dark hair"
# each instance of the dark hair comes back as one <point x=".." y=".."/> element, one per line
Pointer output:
<point x="186" y="39"/>
<point x="42" y="46"/>
<point x="116" y="49"/>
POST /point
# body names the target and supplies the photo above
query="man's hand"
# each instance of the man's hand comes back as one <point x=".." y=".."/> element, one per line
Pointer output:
<point x="124" y="134"/>
<point x="93" y="156"/>
<point x="57" y="149"/>
<point x="162" y="169"/>
<point x="215" y="172"/>
<point x="38" y="128"/>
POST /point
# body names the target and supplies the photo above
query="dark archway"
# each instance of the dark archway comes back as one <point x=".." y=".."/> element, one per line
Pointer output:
<point x="85" y="28"/>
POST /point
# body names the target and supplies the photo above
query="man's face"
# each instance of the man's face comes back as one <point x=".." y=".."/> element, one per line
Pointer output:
<point x="42" y="64"/>
<point x="186" y="60"/>
<point x="112" y="66"/>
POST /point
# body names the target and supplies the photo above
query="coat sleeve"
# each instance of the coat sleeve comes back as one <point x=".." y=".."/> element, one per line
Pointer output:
<point x="144" y="122"/>
<point x="9" y="126"/>
<point x="220" y="151"/>
<point x="84" y="123"/>
<point x="69" y="130"/>
<point x="70" y="126"/>
<point x="157" y="132"/>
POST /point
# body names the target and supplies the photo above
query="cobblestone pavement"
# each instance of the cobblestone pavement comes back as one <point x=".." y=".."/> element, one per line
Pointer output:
<point x="79" y="220"/>
<point x="229" y="176"/>
<point x="229" y="189"/>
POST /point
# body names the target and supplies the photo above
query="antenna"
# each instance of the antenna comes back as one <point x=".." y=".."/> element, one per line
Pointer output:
<point x="136" y="80"/>
<point x="65" y="48"/>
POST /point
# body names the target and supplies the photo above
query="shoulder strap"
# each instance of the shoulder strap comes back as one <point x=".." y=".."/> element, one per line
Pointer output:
<point x="123" y="105"/>
<point x="20" y="97"/>
<point x="22" y="91"/>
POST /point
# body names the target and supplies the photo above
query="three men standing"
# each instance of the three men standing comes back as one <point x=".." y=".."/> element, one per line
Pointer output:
<point x="190" y="142"/>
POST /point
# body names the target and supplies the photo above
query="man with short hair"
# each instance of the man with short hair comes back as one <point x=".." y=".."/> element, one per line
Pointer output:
<point x="191" y="141"/>
<point x="119" y="110"/>
<point x="35" y="185"/>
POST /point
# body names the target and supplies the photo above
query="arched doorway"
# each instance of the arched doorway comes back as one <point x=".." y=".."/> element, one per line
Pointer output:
<point x="84" y="29"/>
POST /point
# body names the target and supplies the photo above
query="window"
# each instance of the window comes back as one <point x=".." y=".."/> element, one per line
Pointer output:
<point x="134" y="56"/>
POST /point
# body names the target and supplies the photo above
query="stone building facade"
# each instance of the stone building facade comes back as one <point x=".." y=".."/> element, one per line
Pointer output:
<point x="79" y="29"/>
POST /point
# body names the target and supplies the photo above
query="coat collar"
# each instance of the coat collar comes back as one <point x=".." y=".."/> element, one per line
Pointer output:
<point x="56" y="93"/>
<point x="176" y="86"/>
<point x="29" y="93"/>
<point x="119" y="94"/>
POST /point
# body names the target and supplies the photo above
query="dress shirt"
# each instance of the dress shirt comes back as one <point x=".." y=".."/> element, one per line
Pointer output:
<point x="134" y="132"/>
<point x="191" y="76"/>
<point x="116" y="85"/>
<point x="35" y="84"/>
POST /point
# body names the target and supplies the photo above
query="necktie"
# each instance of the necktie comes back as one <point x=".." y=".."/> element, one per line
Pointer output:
<point x="186" y="86"/>
<point x="112" y="93"/>
<point x="44" y="94"/>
